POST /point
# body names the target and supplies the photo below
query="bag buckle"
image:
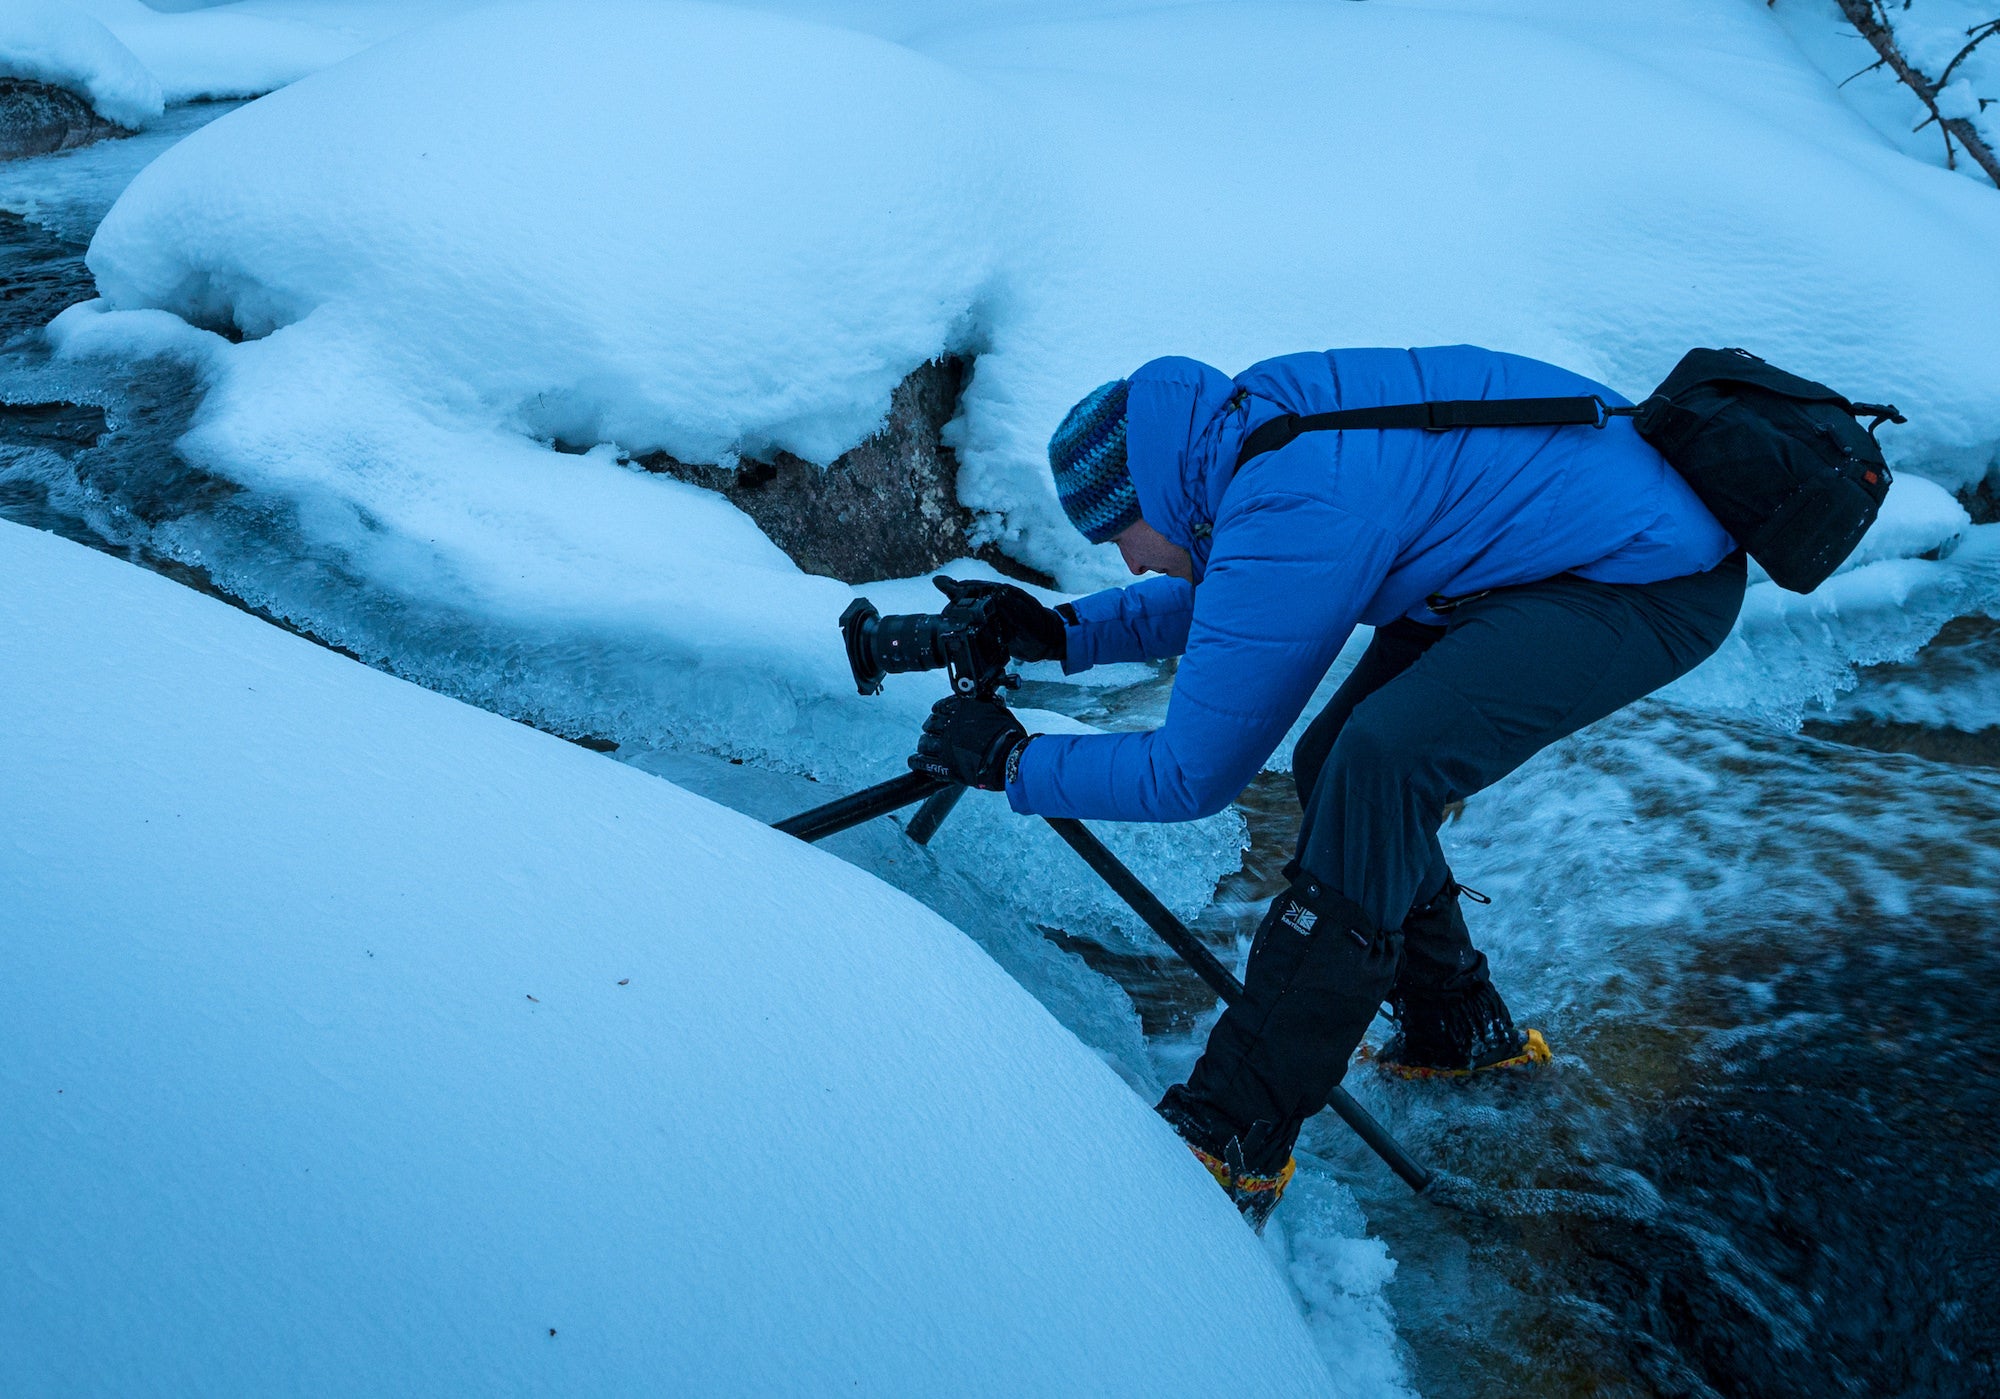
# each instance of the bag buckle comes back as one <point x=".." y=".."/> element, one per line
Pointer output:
<point x="1606" y="412"/>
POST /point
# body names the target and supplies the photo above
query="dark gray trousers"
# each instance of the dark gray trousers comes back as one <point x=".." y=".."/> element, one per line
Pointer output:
<point x="1430" y="716"/>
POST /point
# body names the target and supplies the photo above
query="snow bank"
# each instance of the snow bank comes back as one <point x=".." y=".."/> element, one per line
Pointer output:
<point x="1602" y="188"/>
<point x="1790" y="653"/>
<point x="58" y="44"/>
<point x="360" y="1040"/>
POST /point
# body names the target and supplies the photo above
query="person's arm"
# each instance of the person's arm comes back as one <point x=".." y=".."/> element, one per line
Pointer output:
<point x="1285" y="585"/>
<point x="1147" y="621"/>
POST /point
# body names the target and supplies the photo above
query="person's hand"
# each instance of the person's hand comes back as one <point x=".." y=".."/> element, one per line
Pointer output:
<point x="1034" y="632"/>
<point x="969" y="740"/>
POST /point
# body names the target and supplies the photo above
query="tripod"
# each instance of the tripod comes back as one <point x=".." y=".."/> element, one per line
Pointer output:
<point x="939" y="797"/>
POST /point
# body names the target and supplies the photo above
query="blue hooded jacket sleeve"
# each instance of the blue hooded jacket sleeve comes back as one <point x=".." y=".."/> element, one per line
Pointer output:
<point x="1250" y="667"/>
<point x="1146" y="621"/>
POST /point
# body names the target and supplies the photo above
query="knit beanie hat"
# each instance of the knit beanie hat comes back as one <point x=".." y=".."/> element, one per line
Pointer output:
<point x="1087" y="455"/>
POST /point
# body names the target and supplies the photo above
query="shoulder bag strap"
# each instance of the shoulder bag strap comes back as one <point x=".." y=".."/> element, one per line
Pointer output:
<point x="1442" y="416"/>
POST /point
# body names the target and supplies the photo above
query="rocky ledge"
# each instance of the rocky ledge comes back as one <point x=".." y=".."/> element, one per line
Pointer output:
<point x="887" y="509"/>
<point x="38" y="118"/>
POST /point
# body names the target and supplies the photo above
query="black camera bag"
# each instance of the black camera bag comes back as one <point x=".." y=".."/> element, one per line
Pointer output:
<point x="1778" y="460"/>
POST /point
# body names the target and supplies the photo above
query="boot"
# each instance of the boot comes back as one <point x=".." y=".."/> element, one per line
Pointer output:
<point x="1318" y="969"/>
<point x="1455" y="1034"/>
<point x="1450" y="1021"/>
<point x="1226" y="1157"/>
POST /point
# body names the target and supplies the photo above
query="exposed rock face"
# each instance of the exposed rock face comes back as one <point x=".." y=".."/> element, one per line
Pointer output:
<point x="1982" y="501"/>
<point x="887" y="509"/>
<point x="38" y="118"/>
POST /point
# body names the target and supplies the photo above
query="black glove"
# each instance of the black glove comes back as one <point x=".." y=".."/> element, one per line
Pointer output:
<point x="1034" y="632"/>
<point x="969" y="740"/>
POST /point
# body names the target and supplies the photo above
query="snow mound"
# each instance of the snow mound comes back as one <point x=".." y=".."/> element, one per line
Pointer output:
<point x="1919" y="518"/>
<point x="361" y="1040"/>
<point x="58" y="44"/>
<point x="671" y="226"/>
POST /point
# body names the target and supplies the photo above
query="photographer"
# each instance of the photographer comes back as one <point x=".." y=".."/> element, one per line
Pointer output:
<point x="1522" y="582"/>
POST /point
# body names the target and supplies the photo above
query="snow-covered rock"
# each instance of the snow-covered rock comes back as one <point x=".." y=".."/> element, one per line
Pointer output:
<point x="38" y="118"/>
<point x="358" y="1041"/>
<point x="1919" y="517"/>
<point x="665" y="225"/>
<point x="56" y="43"/>
<point x="129" y="57"/>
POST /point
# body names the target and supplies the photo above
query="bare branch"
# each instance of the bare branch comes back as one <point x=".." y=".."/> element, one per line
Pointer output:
<point x="1878" y="63"/>
<point x="1871" y="22"/>
<point x="1979" y="33"/>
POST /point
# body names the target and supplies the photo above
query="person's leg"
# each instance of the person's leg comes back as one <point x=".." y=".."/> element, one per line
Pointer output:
<point x="1450" y="1018"/>
<point x="1336" y="972"/>
<point x="1514" y="672"/>
<point x="1390" y="652"/>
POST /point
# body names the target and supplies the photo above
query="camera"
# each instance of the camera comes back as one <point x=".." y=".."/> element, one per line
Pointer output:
<point x="967" y="637"/>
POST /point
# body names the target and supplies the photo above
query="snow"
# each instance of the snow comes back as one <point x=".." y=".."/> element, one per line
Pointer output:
<point x="1919" y="517"/>
<point x="360" y="1040"/>
<point x="58" y="44"/>
<point x="795" y="264"/>
<point x="1789" y="653"/>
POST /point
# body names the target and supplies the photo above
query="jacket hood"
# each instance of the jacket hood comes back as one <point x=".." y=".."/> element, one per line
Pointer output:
<point x="1185" y="422"/>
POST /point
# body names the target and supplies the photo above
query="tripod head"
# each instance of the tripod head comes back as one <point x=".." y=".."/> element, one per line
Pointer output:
<point x="967" y="638"/>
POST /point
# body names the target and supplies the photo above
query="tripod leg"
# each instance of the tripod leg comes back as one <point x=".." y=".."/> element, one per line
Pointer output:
<point x="931" y="814"/>
<point x="865" y="805"/>
<point x="1209" y="968"/>
<point x="1159" y="918"/>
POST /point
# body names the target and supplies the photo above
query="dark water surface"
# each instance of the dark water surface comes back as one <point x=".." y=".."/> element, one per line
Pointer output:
<point x="1797" y="1102"/>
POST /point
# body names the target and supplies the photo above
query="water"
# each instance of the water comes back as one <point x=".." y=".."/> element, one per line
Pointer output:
<point x="1765" y="961"/>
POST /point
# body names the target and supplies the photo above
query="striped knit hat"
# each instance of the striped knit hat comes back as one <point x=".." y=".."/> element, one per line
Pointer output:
<point x="1087" y="455"/>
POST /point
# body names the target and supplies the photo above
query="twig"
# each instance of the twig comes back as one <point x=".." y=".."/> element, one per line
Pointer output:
<point x="1878" y="63"/>
<point x="1872" y="24"/>
<point x="1979" y="34"/>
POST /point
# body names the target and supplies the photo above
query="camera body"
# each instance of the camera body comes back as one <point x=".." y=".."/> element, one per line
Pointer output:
<point x="967" y="637"/>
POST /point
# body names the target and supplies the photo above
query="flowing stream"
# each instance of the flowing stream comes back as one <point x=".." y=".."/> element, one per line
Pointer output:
<point x="1766" y="1152"/>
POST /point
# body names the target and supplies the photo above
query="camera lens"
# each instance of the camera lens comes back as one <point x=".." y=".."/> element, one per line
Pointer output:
<point x="879" y="646"/>
<point x="908" y="641"/>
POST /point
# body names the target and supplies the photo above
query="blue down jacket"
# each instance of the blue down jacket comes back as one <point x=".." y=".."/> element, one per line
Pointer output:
<point x="1336" y="528"/>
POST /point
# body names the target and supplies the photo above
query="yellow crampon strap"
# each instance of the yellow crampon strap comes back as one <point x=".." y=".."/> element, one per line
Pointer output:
<point x="1534" y="1053"/>
<point x="1245" y="1184"/>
